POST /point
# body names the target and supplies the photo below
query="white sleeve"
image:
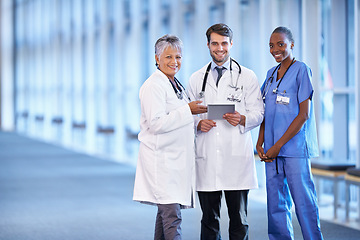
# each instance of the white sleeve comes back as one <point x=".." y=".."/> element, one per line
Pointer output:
<point x="254" y="106"/>
<point x="193" y="93"/>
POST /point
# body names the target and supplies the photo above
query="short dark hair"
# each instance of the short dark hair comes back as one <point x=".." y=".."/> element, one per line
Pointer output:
<point x="221" y="29"/>
<point x="285" y="31"/>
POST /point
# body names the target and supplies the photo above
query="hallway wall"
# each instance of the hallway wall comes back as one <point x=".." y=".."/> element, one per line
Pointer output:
<point x="71" y="69"/>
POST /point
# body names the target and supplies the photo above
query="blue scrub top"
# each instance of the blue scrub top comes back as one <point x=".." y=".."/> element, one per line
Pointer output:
<point x="278" y="117"/>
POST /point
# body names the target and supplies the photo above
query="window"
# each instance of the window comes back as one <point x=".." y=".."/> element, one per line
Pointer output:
<point x="337" y="81"/>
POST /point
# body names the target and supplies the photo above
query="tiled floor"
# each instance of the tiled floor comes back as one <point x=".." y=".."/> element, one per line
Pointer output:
<point x="48" y="192"/>
<point x="326" y="208"/>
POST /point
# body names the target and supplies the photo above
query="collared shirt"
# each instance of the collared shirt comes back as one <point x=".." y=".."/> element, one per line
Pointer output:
<point x="214" y="72"/>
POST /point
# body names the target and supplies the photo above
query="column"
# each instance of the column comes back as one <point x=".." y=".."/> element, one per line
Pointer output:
<point x="268" y="14"/>
<point x="66" y="71"/>
<point x="357" y="78"/>
<point x="179" y="26"/>
<point x="78" y="81"/>
<point x="134" y="77"/>
<point x="56" y="90"/>
<point x="233" y="18"/>
<point x="201" y="22"/>
<point x="89" y="74"/>
<point x="7" y="104"/>
<point x="119" y="21"/>
<point x="48" y="77"/>
<point x="338" y="68"/>
<point x="311" y="47"/>
<point x="154" y="17"/>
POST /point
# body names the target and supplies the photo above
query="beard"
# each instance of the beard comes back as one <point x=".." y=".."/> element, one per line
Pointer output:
<point x="218" y="59"/>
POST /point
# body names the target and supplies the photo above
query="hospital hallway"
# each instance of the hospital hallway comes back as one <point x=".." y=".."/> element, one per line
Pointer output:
<point x="48" y="192"/>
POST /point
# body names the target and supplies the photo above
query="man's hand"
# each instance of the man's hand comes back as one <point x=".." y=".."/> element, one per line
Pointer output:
<point x="235" y="118"/>
<point x="205" y="125"/>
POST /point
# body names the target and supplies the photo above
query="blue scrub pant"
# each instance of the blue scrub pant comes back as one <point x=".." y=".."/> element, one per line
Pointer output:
<point x="288" y="178"/>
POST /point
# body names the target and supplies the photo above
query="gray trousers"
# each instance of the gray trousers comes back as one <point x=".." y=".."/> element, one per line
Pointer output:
<point x="168" y="220"/>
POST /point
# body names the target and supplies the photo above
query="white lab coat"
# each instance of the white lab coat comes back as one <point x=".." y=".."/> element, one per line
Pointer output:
<point x="166" y="164"/>
<point x="225" y="155"/>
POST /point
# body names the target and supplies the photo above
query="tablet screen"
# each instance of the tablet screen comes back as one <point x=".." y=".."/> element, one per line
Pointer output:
<point x="217" y="110"/>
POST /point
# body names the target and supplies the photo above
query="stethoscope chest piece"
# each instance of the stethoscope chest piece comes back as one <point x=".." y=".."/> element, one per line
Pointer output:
<point x="179" y="89"/>
<point x="179" y="95"/>
<point x="201" y="94"/>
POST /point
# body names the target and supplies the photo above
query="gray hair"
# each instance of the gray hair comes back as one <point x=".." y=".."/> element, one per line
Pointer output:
<point x="167" y="41"/>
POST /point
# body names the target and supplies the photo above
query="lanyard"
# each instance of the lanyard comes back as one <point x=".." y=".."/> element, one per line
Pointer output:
<point x="275" y="90"/>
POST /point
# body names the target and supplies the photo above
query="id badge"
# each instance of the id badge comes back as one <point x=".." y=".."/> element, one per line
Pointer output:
<point x="236" y="95"/>
<point x="282" y="99"/>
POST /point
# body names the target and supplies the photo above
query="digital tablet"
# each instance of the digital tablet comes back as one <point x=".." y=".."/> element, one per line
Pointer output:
<point x="217" y="110"/>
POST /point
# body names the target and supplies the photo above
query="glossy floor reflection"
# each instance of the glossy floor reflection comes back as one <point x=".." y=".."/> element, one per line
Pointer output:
<point x="48" y="192"/>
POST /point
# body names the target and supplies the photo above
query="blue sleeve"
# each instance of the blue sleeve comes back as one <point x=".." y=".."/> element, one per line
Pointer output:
<point x="304" y="82"/>
<point x="263" y="85"/>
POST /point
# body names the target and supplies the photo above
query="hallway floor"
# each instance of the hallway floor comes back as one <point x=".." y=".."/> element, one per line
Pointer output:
<point x="48" y="192"/>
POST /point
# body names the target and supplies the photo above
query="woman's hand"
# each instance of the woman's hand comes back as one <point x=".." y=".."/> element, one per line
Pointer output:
<point x="262" y="155"/>
<point x="260" y="143"/>
<point x="273" y="152"/>
<point x="196" y="108"/>
<point x="292" y="130"/>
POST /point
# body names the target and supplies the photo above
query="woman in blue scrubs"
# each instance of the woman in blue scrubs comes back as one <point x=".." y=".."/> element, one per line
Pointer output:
<point x="288" y="134"/>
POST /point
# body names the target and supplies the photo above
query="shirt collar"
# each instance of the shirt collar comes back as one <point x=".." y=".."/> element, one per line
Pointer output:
<point x="226" y="65"/>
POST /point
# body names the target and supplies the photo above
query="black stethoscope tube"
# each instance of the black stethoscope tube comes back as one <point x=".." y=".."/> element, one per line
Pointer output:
<point x="201" y="94"/>
<point x="178" y="89"/>
<point x="271" y="78"/>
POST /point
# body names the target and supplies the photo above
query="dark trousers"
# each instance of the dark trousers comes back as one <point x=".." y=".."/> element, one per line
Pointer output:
<point x="236" y="202"/>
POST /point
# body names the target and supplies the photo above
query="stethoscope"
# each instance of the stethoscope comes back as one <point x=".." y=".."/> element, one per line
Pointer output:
<point x="179" y="89"/>
<point x="271" y="78"/>
<point x="202" y="93"/>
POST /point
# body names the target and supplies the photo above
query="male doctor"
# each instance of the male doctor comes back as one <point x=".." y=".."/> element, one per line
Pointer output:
<point x="224" y="149"/>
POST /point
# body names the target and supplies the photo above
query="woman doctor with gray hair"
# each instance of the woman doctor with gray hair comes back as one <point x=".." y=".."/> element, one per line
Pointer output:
<point x="165" y="173"/>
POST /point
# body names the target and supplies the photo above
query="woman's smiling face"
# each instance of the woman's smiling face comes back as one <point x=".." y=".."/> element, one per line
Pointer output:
<point x="169" y="61"/>
<point x="280" y="47"/>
